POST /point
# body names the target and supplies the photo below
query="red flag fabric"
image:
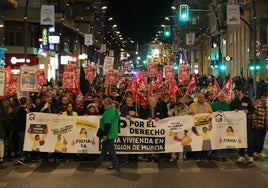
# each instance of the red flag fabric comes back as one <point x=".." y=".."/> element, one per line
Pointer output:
<point x="173" y="88"/>
<point x="136" y="86"/>
<point x="140" y="98"/>
<point x="216" y="89"/>
<point x="192" y="85"/>
<point x="141" y="80"/>
<point x="159" y="81"/>
<point x="133" y="86"/>
<point x="10" y="87"/>
<point x="227" y="90"/>
<point x="120" y="83"/>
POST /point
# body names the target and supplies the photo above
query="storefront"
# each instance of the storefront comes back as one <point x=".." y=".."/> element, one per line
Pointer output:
<point x="17" y="60"/>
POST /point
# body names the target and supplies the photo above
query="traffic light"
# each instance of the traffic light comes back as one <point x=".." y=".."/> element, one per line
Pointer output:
<point x="184" y="13"/>
<point x="167" y="31"/>
<point x="222" y="67"/>
<point x="255" y="67"/>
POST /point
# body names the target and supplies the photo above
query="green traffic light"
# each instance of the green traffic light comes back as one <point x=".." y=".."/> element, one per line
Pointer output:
<point x="251" y="67"/>
<point x="184" y="12"/>
<point x="257" y="67"/>
<point x="167" y="31"/>
<point x="222" y="67"/>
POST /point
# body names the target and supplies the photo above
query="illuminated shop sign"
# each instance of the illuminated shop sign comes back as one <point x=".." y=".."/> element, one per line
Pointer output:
<point x="15" y="60"/>
<point x="54" y="39"/>
<point x="45" y="38"/>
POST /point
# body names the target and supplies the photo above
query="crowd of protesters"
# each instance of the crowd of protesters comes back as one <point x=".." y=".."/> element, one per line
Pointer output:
<point x="55" y="99"/>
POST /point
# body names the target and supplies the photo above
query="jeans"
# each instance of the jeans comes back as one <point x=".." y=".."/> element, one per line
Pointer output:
<point x="221" y="153"/>
<point x="251" y="138"/>
<point x="22" y="154"/>
<point x="108" y="147"/>
<point x="259" y="140"/>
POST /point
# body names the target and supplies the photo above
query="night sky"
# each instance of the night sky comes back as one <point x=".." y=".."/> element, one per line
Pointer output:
<point x="139" y="19"/>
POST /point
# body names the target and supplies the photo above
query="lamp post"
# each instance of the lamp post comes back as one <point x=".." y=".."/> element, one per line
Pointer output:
<point x="254" y="46"/>
<point x="26" y="30"/>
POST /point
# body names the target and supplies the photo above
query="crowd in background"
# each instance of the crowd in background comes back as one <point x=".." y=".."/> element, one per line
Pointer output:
<point x="55" y="99"/>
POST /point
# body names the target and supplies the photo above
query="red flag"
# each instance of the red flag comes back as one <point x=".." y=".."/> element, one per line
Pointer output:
<point x="140" y="98"/>
<point x="158" y="82"/>
<point x="141" y="80"/>
<point x="227" y="90"/>
<point x="173" y="87"/>
<point x="216" y="89"/>
<point x="10" y="87"/>
<point x="133" y="86"/>
<point x="192" y="85"/>
<point x="120" y="83"/>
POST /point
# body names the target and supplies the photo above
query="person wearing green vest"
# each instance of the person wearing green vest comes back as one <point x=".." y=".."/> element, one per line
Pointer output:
<point x="221" y="105"/>
<point x="109" y="125"/>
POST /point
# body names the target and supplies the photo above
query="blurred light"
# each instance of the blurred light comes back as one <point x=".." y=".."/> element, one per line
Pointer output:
<point x="222" y="67"/>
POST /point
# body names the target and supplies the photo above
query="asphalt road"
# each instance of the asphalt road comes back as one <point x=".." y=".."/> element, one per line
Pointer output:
<point x="140" y="174"/>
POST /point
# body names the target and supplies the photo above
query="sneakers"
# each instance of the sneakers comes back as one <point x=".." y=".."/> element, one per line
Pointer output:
<point x="241" y="159"/>
<point x="255" y="154"/>
<point x="113" y="168"/>
<point x="261" y="155"/>
<point x="22" y="162"/>
<point x="251" y="160"/>
<point x="173" y="157"/>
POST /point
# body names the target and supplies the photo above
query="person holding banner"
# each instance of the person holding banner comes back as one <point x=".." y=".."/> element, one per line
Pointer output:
<point x="198" y="107"/>
<point x="69" y="111"/>
<point x="180" y="109"/>
<point x="109" y="125"/>
<point x="152" y="112"/>
<point x="20" y="127"/>
<point x="242" y="102"/>
<point x="130" y="110"/>
<point x="221" y="105"/>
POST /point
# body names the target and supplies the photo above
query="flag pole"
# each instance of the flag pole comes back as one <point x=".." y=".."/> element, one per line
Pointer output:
<point x="123" y="97"/>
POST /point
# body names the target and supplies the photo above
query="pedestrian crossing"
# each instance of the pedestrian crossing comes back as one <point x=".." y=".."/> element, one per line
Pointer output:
<point x="141" y="167"/>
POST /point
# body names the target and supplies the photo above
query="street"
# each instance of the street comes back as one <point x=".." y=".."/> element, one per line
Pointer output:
<point x="188" y="173"/>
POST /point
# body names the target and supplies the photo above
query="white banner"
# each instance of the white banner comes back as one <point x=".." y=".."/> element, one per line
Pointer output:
<point x="233" y="14"/>
<point x="47" y="16"/>
<point x="108" y="64"/>
<point x="103" y="48"/>
<point x="28" y="81"/>
<point x="56" y="133"/>
<point x="190" y="38"/>
<point x="88" y="39"/>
